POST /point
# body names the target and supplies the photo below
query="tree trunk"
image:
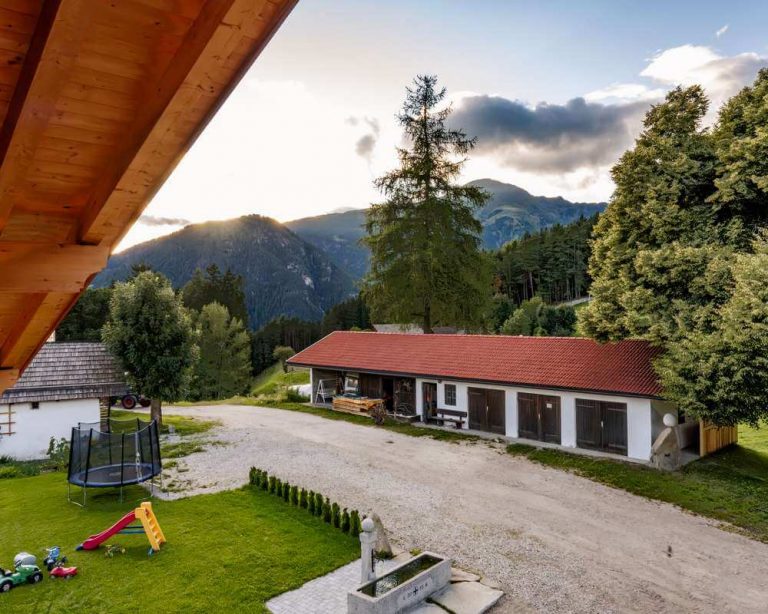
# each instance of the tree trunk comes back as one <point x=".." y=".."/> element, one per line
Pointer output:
<point x="427" y="321"/>
<point x="156" y="412"/>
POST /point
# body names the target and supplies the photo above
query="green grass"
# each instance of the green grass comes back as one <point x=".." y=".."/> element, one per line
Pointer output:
<point x="230" y="551"/>
<point x="182" y="425"/>
<point x="731" y="485"/>
<point x="271" y="380"/>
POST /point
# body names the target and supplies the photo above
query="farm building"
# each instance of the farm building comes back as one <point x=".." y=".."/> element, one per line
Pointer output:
<point x="65" y="383"/>
<point x="567" y="391"/>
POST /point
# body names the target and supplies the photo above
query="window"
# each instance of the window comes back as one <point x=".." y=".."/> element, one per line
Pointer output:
<point x="450" y="394"/>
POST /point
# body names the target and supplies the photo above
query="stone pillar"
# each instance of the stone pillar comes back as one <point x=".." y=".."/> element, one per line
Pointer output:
<point x="367" y="542"/>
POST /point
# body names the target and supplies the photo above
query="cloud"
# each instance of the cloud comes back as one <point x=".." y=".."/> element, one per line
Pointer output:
<point x="154" y="220"/>
<point x="549" y="138"/>
<point x="721" y="31"/>
<point x="720" y="76"/>
<point x="365" y="145"/>
<point x="625" y="92"/>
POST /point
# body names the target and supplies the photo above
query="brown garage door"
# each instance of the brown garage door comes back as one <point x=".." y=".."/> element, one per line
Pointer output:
<point x="486" y="410"/>
<point x="538" y="417"/>
<point x="601" y="425"/>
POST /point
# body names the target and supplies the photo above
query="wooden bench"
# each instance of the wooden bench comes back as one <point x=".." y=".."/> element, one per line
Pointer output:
<point x="450" y="415"/>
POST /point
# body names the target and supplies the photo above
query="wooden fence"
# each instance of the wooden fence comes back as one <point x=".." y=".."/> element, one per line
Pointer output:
<point x="713" y="438"/>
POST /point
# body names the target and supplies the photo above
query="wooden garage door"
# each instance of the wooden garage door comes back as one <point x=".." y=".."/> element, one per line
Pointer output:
<point x="487" y="410"/>
<point x="538" y="417"/>
<point x="601" y="425"/>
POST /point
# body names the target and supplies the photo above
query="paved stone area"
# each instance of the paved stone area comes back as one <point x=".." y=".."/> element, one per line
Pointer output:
<point x="325" y="595"/>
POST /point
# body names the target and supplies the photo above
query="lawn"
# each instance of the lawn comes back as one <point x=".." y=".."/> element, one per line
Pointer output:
<point x="230" y="551"/>
<point x="731" y="485"/>
<point x="269" y="381"/>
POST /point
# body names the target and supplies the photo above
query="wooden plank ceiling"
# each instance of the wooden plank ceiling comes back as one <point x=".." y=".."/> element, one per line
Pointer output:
<point x="99" y="100"/>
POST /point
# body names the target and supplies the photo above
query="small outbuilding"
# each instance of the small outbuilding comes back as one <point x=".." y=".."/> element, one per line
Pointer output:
<point x="567" y="391"/>
<point x="65" y="384"/>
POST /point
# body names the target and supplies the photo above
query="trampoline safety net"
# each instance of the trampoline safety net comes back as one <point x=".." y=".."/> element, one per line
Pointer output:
<point x="114" y="453"/>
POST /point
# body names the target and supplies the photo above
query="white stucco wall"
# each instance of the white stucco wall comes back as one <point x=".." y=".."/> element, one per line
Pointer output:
<point x="638" y="412"/>
<point x="34" y="428"/>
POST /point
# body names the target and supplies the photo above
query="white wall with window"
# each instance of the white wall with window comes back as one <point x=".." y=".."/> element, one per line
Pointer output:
<point x="639" y="415"/>
<point x="26" y="431"/>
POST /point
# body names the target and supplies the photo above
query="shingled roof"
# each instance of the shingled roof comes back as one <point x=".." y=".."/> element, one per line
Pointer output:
<point x="564" y="363"/>
<point x="64" y="371"/>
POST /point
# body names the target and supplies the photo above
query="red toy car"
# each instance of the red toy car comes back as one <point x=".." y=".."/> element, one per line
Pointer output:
<point x="63" y="572"/>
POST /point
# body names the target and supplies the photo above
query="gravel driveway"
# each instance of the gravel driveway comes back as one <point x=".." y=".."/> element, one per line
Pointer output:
<point x="553" y="541"/>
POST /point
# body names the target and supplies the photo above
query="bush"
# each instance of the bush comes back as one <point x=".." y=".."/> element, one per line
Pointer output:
<point x="335" y="515"/>
<point x="311" y="502"/>
<point x="344" y="521"/>
<point x="294" y="396"/>
<point x="294" y="495"/>
<point x="272" y="485"/>
<point x="5" y="460"/>
<point x="327" y="510"/>
<point x="303" y="498"/>
<point x="9" y="471"/>
<point x="286" y="491"/>
<point x="58" y="454"/>
<point x="318" y="504"/>
<point x="355" y="526"/>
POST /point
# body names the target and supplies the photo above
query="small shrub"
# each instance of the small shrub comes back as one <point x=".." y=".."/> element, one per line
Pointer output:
<point x="294" y="396"/>
<point x="9" y="472"/>
<point x="335" y="515"/>
<point x="58" y="454"/>
<point x="327" y="510"/>
<point x="303" y="498"/>
<point x="311" y="502"/>
<point x="272" y="485"/>
<point x="344" y="521"/>
<point x="265" y="481"/>
<point x="355" y="527"/>
<point x="286" y="491"/>
<point x="253" y="476"/>
<point x="318" y="504"/>
<point x="278" y="487"/>
<point x="294" y="495"/>
<point x="5" y="460"/>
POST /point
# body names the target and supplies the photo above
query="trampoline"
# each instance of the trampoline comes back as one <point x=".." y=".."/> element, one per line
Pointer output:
<point x="113" y="453"/>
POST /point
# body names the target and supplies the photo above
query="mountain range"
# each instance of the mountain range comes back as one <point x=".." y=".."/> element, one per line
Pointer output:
<point x="305" y="266"/>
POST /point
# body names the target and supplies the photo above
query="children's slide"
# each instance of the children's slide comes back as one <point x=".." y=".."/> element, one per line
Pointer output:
<point x="94" y="541"/>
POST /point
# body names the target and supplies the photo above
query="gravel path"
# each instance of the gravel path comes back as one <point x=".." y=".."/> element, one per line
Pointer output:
<point x="553" y="541"/>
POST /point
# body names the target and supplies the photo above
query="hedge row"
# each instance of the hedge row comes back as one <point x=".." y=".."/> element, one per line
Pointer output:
<point x="313" y="502"/>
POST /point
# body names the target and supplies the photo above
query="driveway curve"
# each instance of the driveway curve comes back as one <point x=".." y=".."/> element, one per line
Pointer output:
<point x="555" y="542"/>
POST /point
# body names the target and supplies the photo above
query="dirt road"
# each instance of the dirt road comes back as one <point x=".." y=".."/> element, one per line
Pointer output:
<point x="553" y="541"/>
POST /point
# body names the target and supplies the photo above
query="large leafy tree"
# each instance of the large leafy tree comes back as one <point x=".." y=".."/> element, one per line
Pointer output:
<point x="426" y="263"/>
<point x="224" y="366"/>
<point x="675" y="259"/>
<point x="213" y="287"/>
<point x="722" y="376"/>
<point x="151" y="334"/>
<point x="86" y="319"/>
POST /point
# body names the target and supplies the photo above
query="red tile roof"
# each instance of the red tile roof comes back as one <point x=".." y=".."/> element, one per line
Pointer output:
<point x="544" y="362"/>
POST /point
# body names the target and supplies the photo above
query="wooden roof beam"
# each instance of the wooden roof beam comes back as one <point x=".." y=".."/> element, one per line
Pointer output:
<point x="52" y="52"/>
<point x="41" y="268"/>
<point x="158" y="97"/>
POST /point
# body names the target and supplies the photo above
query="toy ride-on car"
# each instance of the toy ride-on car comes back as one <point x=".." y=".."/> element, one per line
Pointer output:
<point x="63" y="572"/>
<point x="54" y="559"/>
<point x="24" y="574"/>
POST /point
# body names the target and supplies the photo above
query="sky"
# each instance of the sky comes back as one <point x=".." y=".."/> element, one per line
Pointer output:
<point x="554" y="91"/>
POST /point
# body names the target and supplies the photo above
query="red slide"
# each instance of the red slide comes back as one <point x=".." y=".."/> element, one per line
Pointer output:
<point x="94" y="541"/>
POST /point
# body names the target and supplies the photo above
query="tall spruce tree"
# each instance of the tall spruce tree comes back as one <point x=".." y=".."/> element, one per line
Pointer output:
<point x="213" y="287"/>
<point x="426" y="263"/>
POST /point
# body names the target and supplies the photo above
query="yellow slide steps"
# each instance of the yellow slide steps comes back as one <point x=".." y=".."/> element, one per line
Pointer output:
<point x="151" y="526"/>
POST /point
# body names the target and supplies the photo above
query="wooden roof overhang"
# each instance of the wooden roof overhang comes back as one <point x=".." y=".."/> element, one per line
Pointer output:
<point x="99" y="100"/>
